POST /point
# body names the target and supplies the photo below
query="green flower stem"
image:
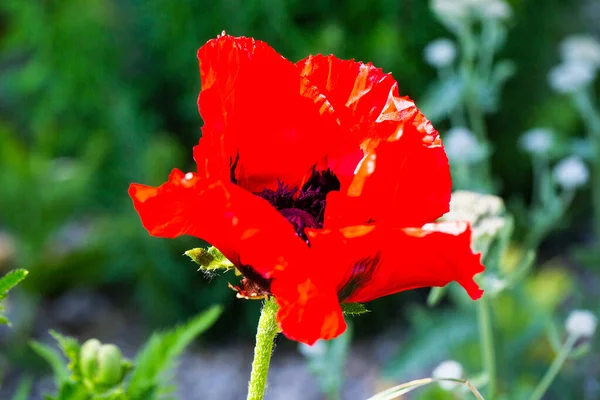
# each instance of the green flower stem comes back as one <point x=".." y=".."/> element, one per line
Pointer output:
<point x="265" y="335"/>
<point x="591" y="118"/>
<point x="486" y="338"/>
<point x="554" y="369"/>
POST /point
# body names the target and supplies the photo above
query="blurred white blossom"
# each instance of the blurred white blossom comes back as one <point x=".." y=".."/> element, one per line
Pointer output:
<point x="448" y="369"/>
<point x="462" y="146"/>
<point x="581" y="48"/>
<point x="537" y="141"/>
<point x="451" y="8"/>
<point x="440" y="53"/>
<point x="571" y="173"/>
<point x="494" y="9"/>
<point x="581" y="323"/>
<point x="571" y="76"/>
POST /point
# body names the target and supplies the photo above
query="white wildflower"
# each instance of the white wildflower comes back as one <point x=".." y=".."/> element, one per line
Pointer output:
<point x="448" y="369"/>
<point x="571" y="173"/>
<point x="571" y="76"/>
<point x="451" y="9"/>
<point x="494" y="9"/>
<point x="462" y="146"/>
<point x="440" y="53"/>
<point x="581" y="323"/>
<point x="537" y="141"/>
<point x="581" y="48"/>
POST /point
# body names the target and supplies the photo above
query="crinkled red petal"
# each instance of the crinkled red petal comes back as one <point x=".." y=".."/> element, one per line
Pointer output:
<point x="247" y="229"/>
<point x="307" y="312"/>
<point x="378" y="261"/>
<point x="258" y="107"/>
<point x="391" y="163"/>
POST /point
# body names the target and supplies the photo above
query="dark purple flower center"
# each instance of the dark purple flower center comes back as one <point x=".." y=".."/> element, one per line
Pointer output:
<point x="305" y="207"/>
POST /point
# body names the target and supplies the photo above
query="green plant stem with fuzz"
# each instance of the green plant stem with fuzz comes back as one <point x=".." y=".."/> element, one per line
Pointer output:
<point x="554" y="369"/>
<point x="265" y="335"/>
<point x="488" y="353"/>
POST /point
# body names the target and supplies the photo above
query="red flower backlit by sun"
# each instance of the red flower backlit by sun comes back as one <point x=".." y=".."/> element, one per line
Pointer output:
<point x="318" y="181"/>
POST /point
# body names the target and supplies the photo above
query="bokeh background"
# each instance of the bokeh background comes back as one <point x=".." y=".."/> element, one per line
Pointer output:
<point x="95" y="94"/>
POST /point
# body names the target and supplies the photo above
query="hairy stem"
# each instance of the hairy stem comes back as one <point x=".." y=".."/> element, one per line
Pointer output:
<point x="265" y="335"/>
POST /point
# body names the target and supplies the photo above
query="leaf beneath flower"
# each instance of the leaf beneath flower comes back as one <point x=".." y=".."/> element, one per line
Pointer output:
<point x="354" y="308"/>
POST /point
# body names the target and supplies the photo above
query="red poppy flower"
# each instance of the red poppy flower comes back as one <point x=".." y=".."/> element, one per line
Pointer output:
<point x="318" y="181"/>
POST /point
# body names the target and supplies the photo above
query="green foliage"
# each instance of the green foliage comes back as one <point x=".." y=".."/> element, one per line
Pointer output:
<point x="354" y="308"/>
<point x="99" y="371"/>
<point x="157" y="357"/>
<point x="7" y="282"/>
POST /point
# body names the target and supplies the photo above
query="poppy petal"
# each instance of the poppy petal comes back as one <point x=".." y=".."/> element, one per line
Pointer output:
<point x="307" y="312"/>
<point x="244" y="227"/>
<point x="380" y="261"/>
<point x="265" y="115"/>
<point x="392" y="163"/>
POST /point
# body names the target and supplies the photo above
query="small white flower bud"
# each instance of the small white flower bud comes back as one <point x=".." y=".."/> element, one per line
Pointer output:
<point x="571" y="76"/>
<point x="571" y="173"/>
<point x="448" y="369"/>
<point x="581" y="323"/>
<point x="440" y="53"/>
<point x="462" y="146"/>
<point x="581" y="48"/>
<point x="537" y="141"/>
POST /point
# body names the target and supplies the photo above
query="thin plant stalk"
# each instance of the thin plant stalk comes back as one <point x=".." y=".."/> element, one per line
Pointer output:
<point x="554" y="369"/>
<point x="265" y="335"/>
<point x="488" y="352"/>
<point x="591" y="118"/>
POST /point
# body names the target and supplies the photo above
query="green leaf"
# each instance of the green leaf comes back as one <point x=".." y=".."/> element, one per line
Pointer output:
<point x="10" y="280"/>
<point x="70" y="348"/>
<point x="24" y="389"/>
<point x="54" y="358"/>
<point x="7" y="282"/>
<point x="210" y="259"/>
<point x="159" y="353"/>
<point x="354" y="308"/>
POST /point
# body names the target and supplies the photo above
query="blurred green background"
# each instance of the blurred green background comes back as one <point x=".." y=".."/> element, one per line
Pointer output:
<point x="95" y="94"/>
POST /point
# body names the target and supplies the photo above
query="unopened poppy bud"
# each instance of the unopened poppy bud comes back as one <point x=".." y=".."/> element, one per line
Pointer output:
<point x="88" y="358"/>
<point x="110" y="368"/>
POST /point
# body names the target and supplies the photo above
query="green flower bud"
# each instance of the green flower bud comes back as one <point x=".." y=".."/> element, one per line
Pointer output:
<point x="110" y="369"/>
<point x="87" y="358"/>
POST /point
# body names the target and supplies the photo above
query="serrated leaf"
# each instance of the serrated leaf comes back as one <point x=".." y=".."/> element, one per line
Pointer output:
<point x="159" y="353"/>
<point x="70" y="348"/>
<point x="354" y="308"/>
<point x="54" y="359"/>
